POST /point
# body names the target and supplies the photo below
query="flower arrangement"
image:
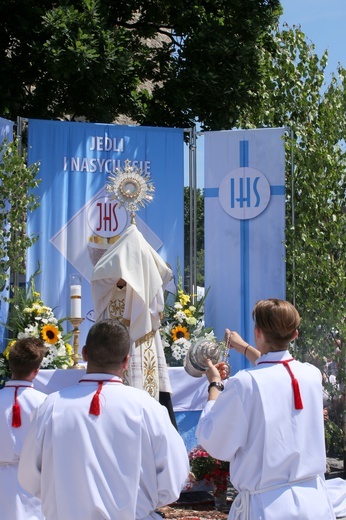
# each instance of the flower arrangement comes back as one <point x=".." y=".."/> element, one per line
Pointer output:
<point x="183" y="324"/>
<point x="30" y="317"/>
<point x="205" y="467"/>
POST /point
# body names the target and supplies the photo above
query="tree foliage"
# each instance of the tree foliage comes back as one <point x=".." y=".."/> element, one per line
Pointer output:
<point x="16" y="182"/>
<point x="155" y="61"/>
<point x="294" y="94"/>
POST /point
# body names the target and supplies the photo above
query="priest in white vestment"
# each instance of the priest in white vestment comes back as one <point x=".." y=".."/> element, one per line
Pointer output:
<point x="128" y="283"/>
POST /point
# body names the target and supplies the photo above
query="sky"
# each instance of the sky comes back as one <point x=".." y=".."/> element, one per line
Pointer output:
<point x="324" y="24"/>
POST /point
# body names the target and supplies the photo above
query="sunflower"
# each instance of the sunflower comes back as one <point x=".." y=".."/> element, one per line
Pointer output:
<point x="180" y="332"/>
<point x="50" y="334"/>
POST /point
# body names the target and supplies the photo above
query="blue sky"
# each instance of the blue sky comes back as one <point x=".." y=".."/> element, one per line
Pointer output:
<point x="324" y="24"/>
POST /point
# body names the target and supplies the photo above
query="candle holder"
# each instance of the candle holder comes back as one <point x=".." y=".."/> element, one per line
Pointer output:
<point x="75" y="356"/>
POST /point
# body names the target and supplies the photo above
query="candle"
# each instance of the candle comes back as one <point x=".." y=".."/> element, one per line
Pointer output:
<point x="76" y="295"/>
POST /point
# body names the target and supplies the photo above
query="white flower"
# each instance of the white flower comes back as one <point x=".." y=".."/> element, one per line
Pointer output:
<point x="44" y="362"/>
<point x="180" y="348"/>
<point x="22" y="335"/>
<point x="32" y="330"/>
<point x="61" y="350"/>
<point x="180" y="316"/>
<point x="210" y="335"/>
<point x="52" y="352"/>
<point x="199" y="328"/>
<point x="50" y="358"/>
<point x="178" y="306"/>
<point x="190" y="320"/>
<point x="182" y="342"/>
<point x="165" y="343"/>
<point x="166" y="329"/>
<point x="176" y="354"/>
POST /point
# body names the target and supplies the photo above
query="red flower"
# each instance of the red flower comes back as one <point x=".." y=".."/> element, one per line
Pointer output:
<point x="203" y="466"/>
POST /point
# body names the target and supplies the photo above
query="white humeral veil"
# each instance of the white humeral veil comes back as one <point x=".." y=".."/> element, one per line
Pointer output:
<point x="139" y="304"/>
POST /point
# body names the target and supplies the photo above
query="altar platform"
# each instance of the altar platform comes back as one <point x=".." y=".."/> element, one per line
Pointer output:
<point x="189" y="395"/>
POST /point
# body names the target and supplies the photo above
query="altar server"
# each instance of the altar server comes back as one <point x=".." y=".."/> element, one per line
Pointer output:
<point x="18" y="399"/>
<point x="101" y="449"/>
<point x="268" y="422"/>
<point x="128" y="283"/>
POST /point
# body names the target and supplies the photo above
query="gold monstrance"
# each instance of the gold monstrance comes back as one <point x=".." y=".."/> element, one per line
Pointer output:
<point x="131" y="187"/>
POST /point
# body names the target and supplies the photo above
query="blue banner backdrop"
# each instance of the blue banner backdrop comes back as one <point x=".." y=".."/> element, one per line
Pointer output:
<point x="6" y="132"/>
<point x="244" y="227"/>
<point x="77" y="220"/>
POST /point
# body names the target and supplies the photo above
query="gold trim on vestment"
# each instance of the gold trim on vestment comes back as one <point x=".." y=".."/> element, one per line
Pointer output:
<point x="145" y="339"/>
<point x="150" y="371"/>
<point x="116" y="308"/>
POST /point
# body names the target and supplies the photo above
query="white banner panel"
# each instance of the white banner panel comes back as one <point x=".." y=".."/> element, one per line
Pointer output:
<point x="244" y="227"/>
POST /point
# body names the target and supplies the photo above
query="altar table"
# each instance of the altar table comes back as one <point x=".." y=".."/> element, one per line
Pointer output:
<point x="188" y="399"/>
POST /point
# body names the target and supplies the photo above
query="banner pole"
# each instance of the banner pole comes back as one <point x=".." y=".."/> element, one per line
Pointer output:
<point x="293" y="219"/>
<point x="193" y="213"/>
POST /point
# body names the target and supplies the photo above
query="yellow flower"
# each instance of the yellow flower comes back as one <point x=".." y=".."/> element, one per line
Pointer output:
<point x="6" y="352"/>
<point x="180" y="332"/>
<point x="69" y="349"/>
<point x="50" y="334"/>
<point x="183" y="298"/>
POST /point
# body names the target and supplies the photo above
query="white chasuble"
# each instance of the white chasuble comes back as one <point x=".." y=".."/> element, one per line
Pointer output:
<point x="139" y="305"/>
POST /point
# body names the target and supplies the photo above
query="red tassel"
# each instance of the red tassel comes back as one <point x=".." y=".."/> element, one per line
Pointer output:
<point x="95" y="408"/>
<point x="16" y="419"/>
<point x="298" y="403"/>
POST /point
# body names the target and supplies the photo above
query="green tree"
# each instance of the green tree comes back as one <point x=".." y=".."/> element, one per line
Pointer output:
<point x="156" y="61"/>
<point x="16" y="199"/>
<point x="294" y="94"/>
